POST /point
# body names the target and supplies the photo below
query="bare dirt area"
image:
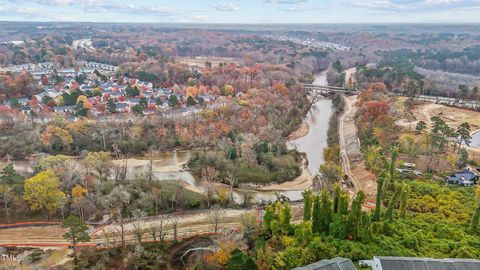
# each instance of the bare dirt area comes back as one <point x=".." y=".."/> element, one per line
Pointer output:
<point x="451" y="115"/>
<point x="302" y="131"/>
<point x="24" y="235"/>
<point x="352" y="159"/>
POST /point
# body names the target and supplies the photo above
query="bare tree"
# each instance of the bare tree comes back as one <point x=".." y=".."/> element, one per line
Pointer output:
<point x="139" y="231"/>
<point x="216" y="216"/>
<point x="152" y="152"/>
<point x="174" y="221"/>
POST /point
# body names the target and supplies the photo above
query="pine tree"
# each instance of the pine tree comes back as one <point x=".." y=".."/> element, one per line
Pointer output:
<point x="111" y="107"/>
<point x="337" y="192"/>
<point x="268" y="217"/>
<point x="476" y="214"/>
<point x="285" y="216"/>
<point x="355" y="215"/>
<point x="404" y="200"/>
<point x="343" y="203"/>
<point x="316" y="227"/>
<point x="393" y="201"/>
<point x="307" y="205"/>
<point x="378" y="201"/>
<point x="326" y="212"/>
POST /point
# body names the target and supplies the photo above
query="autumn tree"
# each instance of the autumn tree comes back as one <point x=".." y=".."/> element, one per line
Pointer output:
<point x="100" y="162"/>
<point x="42" y="192"/>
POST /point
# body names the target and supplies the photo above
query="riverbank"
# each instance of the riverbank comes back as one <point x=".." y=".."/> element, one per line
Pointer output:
<point x="302" y="131"/>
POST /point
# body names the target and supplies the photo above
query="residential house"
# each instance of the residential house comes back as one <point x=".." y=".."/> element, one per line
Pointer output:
<point x="463" y="178"/>
<point x="412" y="263"/>
<point x="64" y="109"/>
<point x="23" y="101"/>
<point x="333" y="264"/>
<point x="122" y="107"/>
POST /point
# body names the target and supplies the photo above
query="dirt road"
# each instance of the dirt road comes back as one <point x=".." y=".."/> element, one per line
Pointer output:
<point x="352" y="159"/>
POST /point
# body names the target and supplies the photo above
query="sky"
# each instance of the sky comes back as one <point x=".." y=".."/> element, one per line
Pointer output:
<point x="243" y="11"/>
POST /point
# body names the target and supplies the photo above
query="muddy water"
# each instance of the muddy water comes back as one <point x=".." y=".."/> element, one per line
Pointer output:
<point x="475" y="140"/>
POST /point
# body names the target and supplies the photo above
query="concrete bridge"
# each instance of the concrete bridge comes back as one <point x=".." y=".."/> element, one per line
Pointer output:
<point x="325" y="89"/>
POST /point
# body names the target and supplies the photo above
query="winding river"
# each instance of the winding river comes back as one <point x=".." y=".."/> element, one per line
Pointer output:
<point x="169" y="166"/>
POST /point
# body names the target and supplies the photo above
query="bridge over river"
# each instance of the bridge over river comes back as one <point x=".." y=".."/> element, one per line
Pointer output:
<point x="454" y="102"/>
<point x="325" y="89"/>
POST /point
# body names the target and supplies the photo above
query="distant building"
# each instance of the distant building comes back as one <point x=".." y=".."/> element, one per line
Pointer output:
<point x="333" y="264"/>
<point x="463" y="178"/>
<point x="412" y="263"/>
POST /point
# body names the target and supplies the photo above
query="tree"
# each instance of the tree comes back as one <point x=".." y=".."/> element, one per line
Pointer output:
<point x="398" y="189"/>
<point x="316" y="217"/>
<point x="78" y="197"/>
<point x="462" y="158"/>
<point x="463" y="132"/>
<point x="421" y="125"/>
<point x="111" y="106"/>
<point x="137" y="110"/>
<point x="77" y="232"/>
<point x="476" y="214"/>
<point x="285" y="216"/>
<point x="99" y="161"/>
<point x="143" y="102"/>
<point x="42" y="192"/>
<point x="139" y="231"/>
<point x="173" y="101"/>
<point x="378" y="200"/>
<point x="191" y="101"/>
<point x="239" y="261"/>
<point x="216" y="216"/>
<point x="10" y="177"/>
<point x="132" y="91"/>
<point x="326" y="212"/>
<point x="7" y="195"/>
<point x="404" y="200"/>
<point x="307" y="205"/>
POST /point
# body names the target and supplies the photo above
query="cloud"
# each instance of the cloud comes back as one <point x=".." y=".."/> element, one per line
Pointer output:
<point x="225" y="7"/>
<point x="26" y="12"/>
<point x="414" y="5"/>
<point x="286" y="1"/>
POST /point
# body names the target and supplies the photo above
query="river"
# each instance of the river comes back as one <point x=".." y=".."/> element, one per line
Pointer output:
<point x="169" y="165"/>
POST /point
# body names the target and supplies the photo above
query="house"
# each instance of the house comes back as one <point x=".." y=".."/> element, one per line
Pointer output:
<point x="23" y="101"/>
<point x="463" y="178"/>
<point x="333" y="264"/>
<point x="64" y="109"/>
<point x="122" y="107"/>
<point x="412" y="263"/>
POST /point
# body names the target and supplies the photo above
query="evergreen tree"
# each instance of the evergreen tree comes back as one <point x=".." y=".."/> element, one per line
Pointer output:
<point x="77" y="232"/>
<point x="285" y="216"/>
<point x="343" y="203"/>
<point x="476" y="214"/>
<point x="337" y="192"/>
<point x="191" y="101"/>
<point x="355" y="215"/>
<point x="143" y="102"/>
<point x="404" y="200"/>
<point x="316" y="222"/>
<point x="394" y="200"/>
<point x="307" y="204"/>
<point x="111" y="107"/>
<point x="378" y="201"/>
<point x="173" y="101"/>
<point x="268" y="218"/>
<point x="326" y="212"/>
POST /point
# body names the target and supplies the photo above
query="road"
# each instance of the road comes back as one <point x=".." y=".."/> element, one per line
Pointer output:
<point x="348" y="110"/>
